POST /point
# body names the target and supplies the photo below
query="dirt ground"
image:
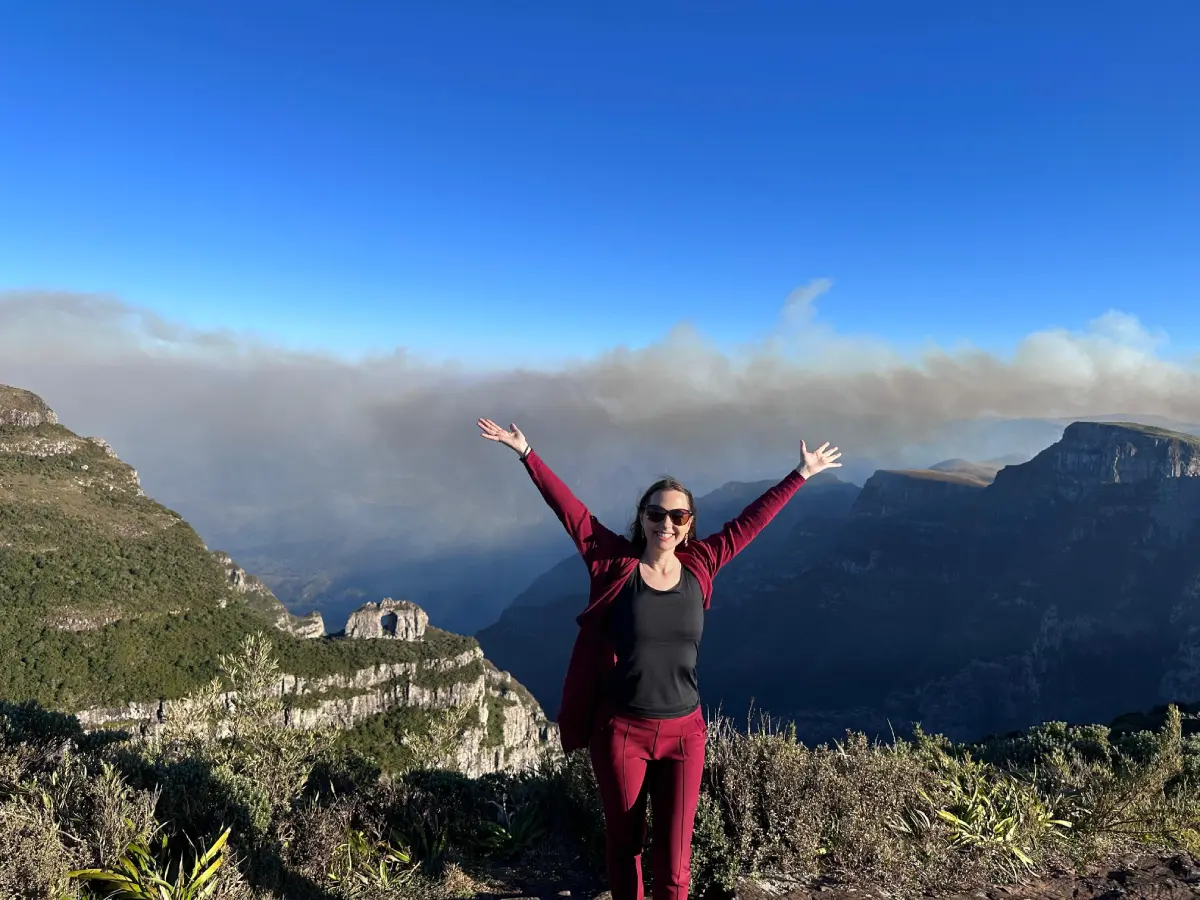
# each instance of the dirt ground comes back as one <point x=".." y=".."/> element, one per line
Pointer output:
<point x="1133" y="878"/>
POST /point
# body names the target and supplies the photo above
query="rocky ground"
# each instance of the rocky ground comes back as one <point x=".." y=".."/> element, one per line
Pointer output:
<point x="1134" y="878"/>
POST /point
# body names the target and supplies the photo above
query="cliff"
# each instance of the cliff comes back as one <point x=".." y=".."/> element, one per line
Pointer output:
<point x="1057" y="592"/>
<point x="984" y="472"/>
<point x="1095" y="455"/>
<point x="117" y="611"/>
<point x="904" y="491"/>
<point x="23" y="409"/>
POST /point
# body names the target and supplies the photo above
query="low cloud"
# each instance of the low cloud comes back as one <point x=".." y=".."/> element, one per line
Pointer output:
<point x="259" y="444"/>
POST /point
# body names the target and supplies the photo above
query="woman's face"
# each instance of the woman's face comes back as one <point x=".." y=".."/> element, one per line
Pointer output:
<point x="670" y="530"/>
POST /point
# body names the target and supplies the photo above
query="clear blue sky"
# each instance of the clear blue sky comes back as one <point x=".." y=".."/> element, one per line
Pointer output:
<point x="557" y="177"/>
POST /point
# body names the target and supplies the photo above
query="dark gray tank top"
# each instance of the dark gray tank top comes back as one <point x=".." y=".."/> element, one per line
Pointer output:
<point x="656" y="635"/>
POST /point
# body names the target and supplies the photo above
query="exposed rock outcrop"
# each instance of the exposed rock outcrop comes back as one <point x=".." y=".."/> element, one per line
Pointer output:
<point x="239" y="579"/>
<point x="24" y="409"/>
<point x="341" y="701"/>
<point x="80" y="620"/>
<point x="393" y="619"/>
<point x="260" y="597"/>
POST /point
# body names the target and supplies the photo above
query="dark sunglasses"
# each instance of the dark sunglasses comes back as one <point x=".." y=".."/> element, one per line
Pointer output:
<point x="679" y="516"/>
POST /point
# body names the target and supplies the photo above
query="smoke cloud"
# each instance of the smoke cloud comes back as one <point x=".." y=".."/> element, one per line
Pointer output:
<point x="263" y="447"/>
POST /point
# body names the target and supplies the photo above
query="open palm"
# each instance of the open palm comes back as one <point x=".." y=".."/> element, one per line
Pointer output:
<point x="814" y="461"/>
<point x="510" y="437"/>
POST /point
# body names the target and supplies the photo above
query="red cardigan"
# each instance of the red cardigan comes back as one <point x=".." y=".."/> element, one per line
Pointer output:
<point x="611" y="559"/>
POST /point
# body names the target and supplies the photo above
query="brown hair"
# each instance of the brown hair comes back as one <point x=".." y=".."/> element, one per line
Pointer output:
<point x="667" y="483"/>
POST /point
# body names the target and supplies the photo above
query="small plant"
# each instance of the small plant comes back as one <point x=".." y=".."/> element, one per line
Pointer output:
<point x="513" y="831"/>
<point x="139" y="875"/>
<point x="426" y="832"/>
<point x="371" y="863"/>
<point x="437" y="747"/>
<point x="991" y="810"/>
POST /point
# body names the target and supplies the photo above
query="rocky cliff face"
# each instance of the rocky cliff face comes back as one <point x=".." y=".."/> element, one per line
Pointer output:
<point x="22" y="409"/>
<point x="1094" y="455"/>
<point x="1058" y="592"/>
<point x="1069" y="588"/>
<point x="259" y="596"/>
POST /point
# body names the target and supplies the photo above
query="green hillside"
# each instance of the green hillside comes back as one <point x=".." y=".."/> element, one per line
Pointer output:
<point x="108" y="597"/>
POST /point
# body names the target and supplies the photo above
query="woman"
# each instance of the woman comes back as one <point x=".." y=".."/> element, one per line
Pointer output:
<point x="630" y="694"/>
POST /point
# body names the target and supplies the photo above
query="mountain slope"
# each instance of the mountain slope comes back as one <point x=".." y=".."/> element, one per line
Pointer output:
<point x="112" y="604"/>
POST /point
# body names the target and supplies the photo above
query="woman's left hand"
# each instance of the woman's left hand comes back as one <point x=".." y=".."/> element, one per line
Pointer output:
<point x="814" y="461"/>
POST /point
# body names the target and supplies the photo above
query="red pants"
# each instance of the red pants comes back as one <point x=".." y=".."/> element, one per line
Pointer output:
<point x="661" y="758"/>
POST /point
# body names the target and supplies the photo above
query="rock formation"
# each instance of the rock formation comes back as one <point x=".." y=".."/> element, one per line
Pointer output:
<point x="309" y="626"/>
<point x="1094" y="455"/>
<point x="24" y="409"/>
<point x="391" y="619"/>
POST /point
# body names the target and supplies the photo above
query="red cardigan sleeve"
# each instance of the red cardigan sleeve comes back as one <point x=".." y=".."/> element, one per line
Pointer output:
<point x="591" y="538"/>
<point x="733" y="538"/>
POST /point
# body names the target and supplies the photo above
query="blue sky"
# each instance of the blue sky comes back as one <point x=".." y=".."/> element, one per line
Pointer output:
<point x="516" y="179"/>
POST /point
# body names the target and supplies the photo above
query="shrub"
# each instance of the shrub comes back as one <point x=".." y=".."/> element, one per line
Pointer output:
<point x="34" y="864"/>
<point x="315" y="815"/>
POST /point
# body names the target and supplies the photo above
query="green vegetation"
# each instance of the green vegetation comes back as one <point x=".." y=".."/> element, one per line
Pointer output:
<point x="435" y="678"/>
<point x="166" y="657"/>
<point x="312" y="657"/>
<point x="310" y="815"/>
<point x="144" y="608"/>
<point x="496" y="708"/>
<point x="408" y="738"/>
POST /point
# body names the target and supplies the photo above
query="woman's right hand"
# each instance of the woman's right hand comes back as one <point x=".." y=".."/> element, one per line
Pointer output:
<point x="512" y="438"/>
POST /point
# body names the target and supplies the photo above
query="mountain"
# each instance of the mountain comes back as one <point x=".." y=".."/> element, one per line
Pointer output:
<point x="1067" y="587"/>
<point x="981" y="471"/>
<point x="114" y="609"/>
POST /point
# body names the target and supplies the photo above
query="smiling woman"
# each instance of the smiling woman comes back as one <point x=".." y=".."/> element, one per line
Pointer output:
<point x="631" y="695"/>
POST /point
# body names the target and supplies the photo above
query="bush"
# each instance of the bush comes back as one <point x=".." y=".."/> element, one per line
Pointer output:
<point x="34" y="863"/>
<point x="318" y="815"/>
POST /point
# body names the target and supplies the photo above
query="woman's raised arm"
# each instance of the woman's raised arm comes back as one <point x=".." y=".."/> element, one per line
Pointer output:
<point x="740" y="531"/>
<point x="590" y="537"/>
